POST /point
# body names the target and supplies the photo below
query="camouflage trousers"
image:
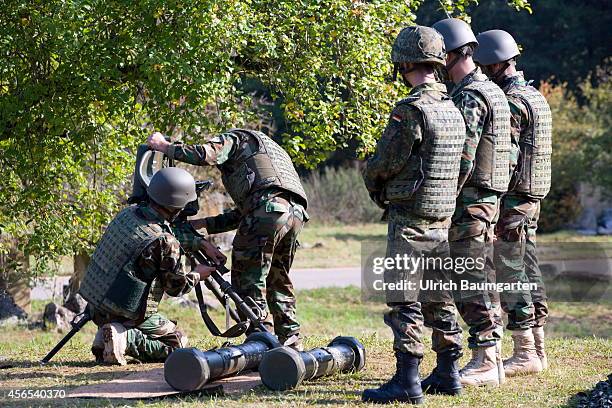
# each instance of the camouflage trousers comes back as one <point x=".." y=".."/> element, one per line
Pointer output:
<point x="516" y="261"/>
<point x="150" y="341"/>
<point x="471" y="237"/>
<point x="410" y="310"/>
<point x="262" y="255"/>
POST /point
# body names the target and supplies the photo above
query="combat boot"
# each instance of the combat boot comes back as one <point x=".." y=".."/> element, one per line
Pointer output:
<point x="538" y="337"/>
<point x="404" y="386"/>
<point x="524" y="359"/>
<point x="97" y="347"/>
<point x="482" y="368"/>
<point x="444" y="379"/>
<point x="181" y="339"/>
<point x="497" y="314"/>
<point x="501" y="374"/>
<point x="115" y="343"/>
<point x="294" y="341"/>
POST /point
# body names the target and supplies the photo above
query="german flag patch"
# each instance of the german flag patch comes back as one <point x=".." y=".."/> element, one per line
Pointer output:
<point x="396" y="118"/>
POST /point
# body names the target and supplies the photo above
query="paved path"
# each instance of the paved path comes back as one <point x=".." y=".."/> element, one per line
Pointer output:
<point x="321" y="278"/>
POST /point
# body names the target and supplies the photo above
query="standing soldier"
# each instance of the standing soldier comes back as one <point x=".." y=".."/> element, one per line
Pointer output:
<point x="483" y="178"/>
<point x="413" y="175"/>
<point x="515" y="251"/>
<point x="137" y="260"/>
<point x="271" y="210"/>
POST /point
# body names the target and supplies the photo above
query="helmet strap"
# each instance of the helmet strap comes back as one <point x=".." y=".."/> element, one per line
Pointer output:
<point x="398" y="67"/>
<point x="403" y="70"/>
<point x="454" y="62"/>
<point x="497" y="75"/>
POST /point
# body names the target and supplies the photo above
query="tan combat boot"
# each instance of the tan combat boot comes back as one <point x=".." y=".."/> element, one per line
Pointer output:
<point x="115" y="343"/>
<point x="97" y="347"/>
<point x="538" y="337"/>
<point x="497" y="313"/>
<point x="482" y="368"/>
<point x="501" y="373"/>
<point x="524" y="360"/>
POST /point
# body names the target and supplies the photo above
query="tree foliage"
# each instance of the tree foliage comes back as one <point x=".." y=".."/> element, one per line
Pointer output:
<point x="582" y="142"/>
<point x="82" y="83"/>
<point x="564" y="39"/>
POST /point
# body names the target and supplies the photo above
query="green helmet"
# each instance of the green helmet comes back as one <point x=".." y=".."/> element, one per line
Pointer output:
<point x="172" y="187"/>
<point x="418" y="44"/>
<point x="495" y="46"/>
<point x="456" y="33"/>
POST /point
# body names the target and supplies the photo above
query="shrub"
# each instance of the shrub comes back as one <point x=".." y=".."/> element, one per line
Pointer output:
<point x="581" y="149"/>
<point x="338" y="195"/>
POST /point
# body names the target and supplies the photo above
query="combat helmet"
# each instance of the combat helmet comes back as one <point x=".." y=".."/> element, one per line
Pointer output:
<point x="418" y="44"/>
<point x="172" y="187"/>
<point x="495" y="46"/>
<point x="456" y="33"/>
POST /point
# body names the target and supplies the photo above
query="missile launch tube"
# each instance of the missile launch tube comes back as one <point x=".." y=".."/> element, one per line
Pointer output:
<point x="284" y="368"/>
<point x="189" y="369"/>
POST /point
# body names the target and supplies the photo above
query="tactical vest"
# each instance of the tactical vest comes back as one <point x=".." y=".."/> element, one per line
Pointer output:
<point x="532" y="174"/>
<point x="492" y="160"/>
<point x="110" y="284"/>
<point x="429" y="180"/>
<point x="250" y="170"/>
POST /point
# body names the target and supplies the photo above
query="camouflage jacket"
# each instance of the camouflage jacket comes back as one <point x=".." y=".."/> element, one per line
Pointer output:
<point x="161" y="262"/>
<point x="474" y="110"/>
<point x="404" y="131"/>
<point x="519" y="120"/>
<point x="214" y="153"/>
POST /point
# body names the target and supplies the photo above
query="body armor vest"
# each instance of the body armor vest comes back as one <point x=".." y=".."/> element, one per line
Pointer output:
<point x="533" y="172"/>
<point x="492" y="161"/>
<point x="110" y="284"/>
<point x="250" y="170"/>
<point x="429" y="180"/>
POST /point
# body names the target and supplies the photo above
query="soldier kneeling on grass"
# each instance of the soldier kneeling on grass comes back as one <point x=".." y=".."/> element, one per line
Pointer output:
<point x="137" y="260"/>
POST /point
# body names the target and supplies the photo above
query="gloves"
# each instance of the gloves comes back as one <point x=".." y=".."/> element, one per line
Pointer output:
<point x="376" y="196"/>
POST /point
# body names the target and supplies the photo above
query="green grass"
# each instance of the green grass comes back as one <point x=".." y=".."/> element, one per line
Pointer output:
<point x="579" y="347"/>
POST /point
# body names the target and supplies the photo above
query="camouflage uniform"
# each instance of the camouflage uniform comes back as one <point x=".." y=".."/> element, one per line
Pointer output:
<point x="152" y="337"/>
<point x="268" y="223"/>
<point x="413" y="234"/>
<point x="471" y="233"/>
<point x="515" y="250"/>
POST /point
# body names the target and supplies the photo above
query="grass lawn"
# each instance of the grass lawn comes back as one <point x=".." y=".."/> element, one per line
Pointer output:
<point x="579" y="347"/>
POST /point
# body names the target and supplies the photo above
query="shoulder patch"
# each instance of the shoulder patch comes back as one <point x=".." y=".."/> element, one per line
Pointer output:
<point x="402" y="111"/>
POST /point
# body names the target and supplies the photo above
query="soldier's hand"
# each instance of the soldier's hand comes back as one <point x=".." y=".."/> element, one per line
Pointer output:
<point x="204" y="271"/>
<point x="213" y="253"/>
<point x="158" y="142"/>
<point x="376" y="197"/>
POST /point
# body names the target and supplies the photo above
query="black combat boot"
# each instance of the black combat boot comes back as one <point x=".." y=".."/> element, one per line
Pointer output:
<point x="404" y="386"/>
<point x="444" y="379"/>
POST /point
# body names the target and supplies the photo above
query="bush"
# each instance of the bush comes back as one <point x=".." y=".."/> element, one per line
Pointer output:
<point x="338" y="195"/>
